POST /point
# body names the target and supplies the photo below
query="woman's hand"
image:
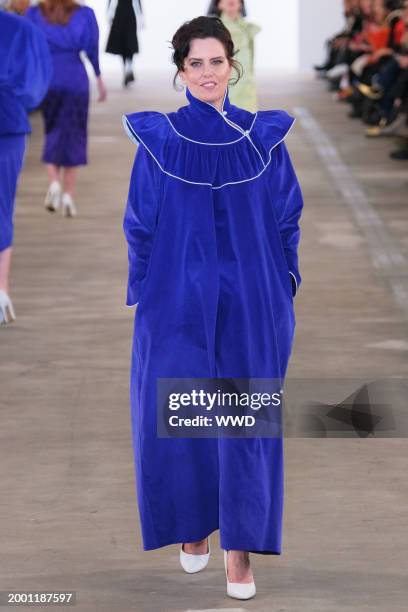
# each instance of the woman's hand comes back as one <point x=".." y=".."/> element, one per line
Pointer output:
<point x="381" y="53"/>
<point x="402" y="61"/>
<point x="102" y="93"/>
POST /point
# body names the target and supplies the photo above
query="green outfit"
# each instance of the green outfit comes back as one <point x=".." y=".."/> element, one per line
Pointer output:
<point x="243" y="94"/>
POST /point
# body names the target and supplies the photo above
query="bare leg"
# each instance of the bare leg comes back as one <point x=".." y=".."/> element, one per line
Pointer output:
<point x="196" y="548"/>
<point x="5" y="262"/>
<point x="70" y="175"/>
<point x="239" y="569"/>
<point x="53" y="173"/>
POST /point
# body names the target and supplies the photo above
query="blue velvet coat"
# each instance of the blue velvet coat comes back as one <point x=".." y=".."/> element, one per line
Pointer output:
<point x="212" y="226"/>
<point x="25" y="72"/>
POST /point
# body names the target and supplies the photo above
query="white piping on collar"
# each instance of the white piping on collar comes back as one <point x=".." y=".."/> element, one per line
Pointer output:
<point x="209" y="103"/>
<point x="137" y="140"/>
<point x="215" y="144"/>
<point x="211" y="144"/>
<point x="245" y="133"/>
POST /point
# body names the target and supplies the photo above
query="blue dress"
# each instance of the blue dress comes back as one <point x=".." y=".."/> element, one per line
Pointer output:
<point x="212" y="226"/>
<point x="65" y="108"/>
<point x="25" y="72"/>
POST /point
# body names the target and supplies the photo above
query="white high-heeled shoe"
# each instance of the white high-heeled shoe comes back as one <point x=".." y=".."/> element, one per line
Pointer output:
<point x="7" y="314"/>
<point x="68" y="206"/>
<point x="53" y="196"/>
<point x="194" y="563"/>
<point x="238" y="590"/>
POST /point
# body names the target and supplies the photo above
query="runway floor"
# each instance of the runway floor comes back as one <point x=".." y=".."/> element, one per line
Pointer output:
<point x="68" y="513"/>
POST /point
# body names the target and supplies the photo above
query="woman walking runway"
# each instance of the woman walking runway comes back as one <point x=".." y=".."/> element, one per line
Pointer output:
<point x="25" y="72"/>
<point x="212" y="228"/>
<point x="69" y="29"/>
<point x="124" y="16"/>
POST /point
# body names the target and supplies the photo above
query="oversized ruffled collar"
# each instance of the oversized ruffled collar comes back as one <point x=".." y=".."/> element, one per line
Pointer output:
<point x="201" y="145"/>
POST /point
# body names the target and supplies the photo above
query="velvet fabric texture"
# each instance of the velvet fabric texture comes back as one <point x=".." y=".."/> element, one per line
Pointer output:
<point x="25" y="73"/>
<point x="65" y="108"/>
<point x="212" y="227"/>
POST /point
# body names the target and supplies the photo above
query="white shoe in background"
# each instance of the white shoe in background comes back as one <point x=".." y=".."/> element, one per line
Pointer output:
<point x="53" y="196"/>
<point x="7" y="314"/>
<point x="68" y="206"/>
<point x="238" y="590"/>
<point x="194" y="563"/>
<point x="337" y="71"/>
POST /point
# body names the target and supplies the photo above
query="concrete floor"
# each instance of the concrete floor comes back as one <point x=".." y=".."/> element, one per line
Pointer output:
<point x="68" y="513"/>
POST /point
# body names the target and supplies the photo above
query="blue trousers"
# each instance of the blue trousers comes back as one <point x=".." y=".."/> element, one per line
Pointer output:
<point x="12" y="148"/>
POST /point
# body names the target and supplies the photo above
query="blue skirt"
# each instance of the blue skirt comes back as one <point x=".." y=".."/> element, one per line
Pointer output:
<point x="65" y="114"/>
<point x="12" y="149"/>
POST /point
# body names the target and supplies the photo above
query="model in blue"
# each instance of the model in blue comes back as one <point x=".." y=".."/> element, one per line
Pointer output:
<point x="25" y="72"/>
<point x="69" y="28"/>
<point x="212" y="226"/>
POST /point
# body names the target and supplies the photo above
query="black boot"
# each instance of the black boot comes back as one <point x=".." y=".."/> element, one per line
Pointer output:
<point x="356" y="100"/>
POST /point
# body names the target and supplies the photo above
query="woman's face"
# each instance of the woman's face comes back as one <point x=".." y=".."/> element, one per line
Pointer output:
<point x="206" y="70"/>
<point x="365" y="7"/>
<point x="232" y="8"/>
<point x="379" y="11"/>
<point x="350" y="5"/>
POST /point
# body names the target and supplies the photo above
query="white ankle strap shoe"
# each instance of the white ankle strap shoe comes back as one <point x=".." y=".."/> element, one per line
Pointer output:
<point x="7" y="314"/>
<point x="68" y="206"/>
<point x="53" y="196"/>
<point x="194" y="563"/>
<point x="238" y="590"/>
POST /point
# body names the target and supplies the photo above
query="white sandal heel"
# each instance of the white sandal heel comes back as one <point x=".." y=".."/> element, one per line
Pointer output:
<point x="194" y="563"/>
<point x="68" y="206"/>
<point x="7" y="314"/>
<point x="52" y="200"/>
<point x="238" y="590"/>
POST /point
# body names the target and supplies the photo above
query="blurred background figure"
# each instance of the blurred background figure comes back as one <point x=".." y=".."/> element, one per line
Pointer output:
<point x="15" y="6"/>
<point x="354" y="13"/>
<point x="25" y="72"/>
<point x="69" y="29"/>
<point x="367" y="67"/>
<point x="232" y="13"/>
<point x="125" y="16"/>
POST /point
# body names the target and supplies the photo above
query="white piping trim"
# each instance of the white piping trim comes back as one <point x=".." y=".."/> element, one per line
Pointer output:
<point x="136" y="139"/>
<point x="250" y="140"/>
<point x="231" y="123"/>
<point x="222" y="105"/>
<point x="212" y="144"/>
<point x="295" y="281"/>
<point x="245" y="134"/>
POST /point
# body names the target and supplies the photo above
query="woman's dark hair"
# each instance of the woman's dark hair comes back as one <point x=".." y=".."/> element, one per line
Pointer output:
<point x="203" y="27"/>
<point x="394" y="5"/>
<point x="214" y="10"/>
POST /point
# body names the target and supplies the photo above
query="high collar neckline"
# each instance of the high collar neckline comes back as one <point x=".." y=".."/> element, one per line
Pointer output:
<point x="207" y="107"/>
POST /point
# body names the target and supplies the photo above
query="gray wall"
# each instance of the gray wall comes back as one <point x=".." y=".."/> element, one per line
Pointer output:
<point x="318" y="20"/>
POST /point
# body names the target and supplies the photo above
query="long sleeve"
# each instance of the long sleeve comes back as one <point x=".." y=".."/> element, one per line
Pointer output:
<point x="140" y="220"/>
<point x="91" y="41"/>
<point x="25" y="72"/>
<point x="289" y="207"/>
<point x="33" y="67"/>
